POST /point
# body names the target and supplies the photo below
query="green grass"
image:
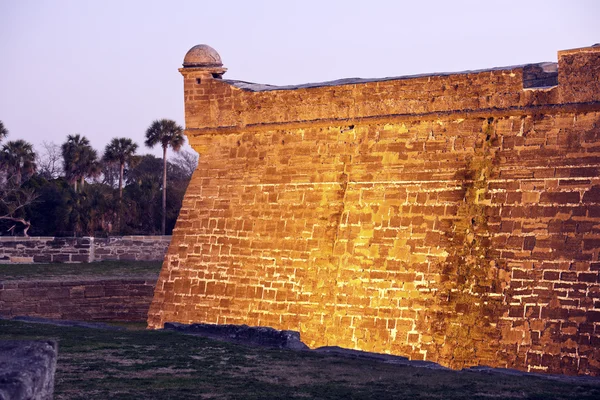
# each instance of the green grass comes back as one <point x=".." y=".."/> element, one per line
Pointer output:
<point x="61" y="271"/>
<point x="141" y="364"/>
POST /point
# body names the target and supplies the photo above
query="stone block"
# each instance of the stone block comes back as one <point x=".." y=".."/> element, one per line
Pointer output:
<point x="94" y="290"/>
<point x="80" y="258"/>
<point x="56" y="293"/>
<point x="560" y="197"/>
<point x="11" y="295"/>
<point x="61" y="258"/>
<point x="21" y="259"/>
<point x="42" y="258"/>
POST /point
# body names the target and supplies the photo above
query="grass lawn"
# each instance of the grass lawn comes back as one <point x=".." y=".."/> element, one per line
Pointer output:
<point x="79" y="271"/>
<point x="139" y="364"/>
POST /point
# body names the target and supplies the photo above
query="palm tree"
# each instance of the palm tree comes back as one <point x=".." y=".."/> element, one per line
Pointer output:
<point x="121" y="151"/>
<point x="3" y="131"/>
<point x="168" y="134"/>
<point x="89" y="166"/>
<point x="17" y="157"/>
<point x="71" y="150"/>
<point x="79" y="160"/>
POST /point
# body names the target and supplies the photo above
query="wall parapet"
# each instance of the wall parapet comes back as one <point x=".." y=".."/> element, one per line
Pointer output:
<point x="43" y="249"/>
<point x="214" y="105"/>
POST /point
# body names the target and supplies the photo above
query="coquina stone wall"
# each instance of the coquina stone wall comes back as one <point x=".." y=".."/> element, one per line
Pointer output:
<point x="126" y="299"/>
<point x="450" y="217"/>
<point x="17" y="249"/>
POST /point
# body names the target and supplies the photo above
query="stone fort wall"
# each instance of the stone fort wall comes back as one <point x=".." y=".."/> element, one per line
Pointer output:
<point x="453" y="218"/>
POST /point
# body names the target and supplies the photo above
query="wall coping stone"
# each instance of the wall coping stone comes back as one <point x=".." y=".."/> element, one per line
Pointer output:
<point x="47" y="238"/>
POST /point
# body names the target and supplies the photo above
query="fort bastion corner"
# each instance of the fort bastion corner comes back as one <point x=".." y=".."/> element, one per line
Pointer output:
<point x="450" y="217"/>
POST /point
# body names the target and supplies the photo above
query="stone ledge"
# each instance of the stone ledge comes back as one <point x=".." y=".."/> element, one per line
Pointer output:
<point x="25" y="238"/>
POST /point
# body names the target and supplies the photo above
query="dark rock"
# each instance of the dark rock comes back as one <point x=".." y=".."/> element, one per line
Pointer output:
<point x="492" y="370"/>
<point x="586" y="380"/>
<point x="386" y="358"/>
<point x="256" y="335"/>
<point x="27" y="369"/>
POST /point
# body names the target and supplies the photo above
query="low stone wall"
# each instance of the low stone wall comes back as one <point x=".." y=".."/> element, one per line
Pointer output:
<point x="15" y="249"/>
<point x="80" y="300"/>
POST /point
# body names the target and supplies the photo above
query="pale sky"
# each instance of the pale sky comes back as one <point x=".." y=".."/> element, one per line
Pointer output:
<point x="108" y="68"/>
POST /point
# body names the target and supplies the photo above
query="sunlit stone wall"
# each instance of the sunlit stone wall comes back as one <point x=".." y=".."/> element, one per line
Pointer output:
<point x="452" y="218"/>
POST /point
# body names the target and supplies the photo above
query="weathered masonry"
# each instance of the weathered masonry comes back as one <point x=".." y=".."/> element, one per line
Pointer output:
<point x="90" y="299"/>
<point x="39" y="249"/>
<point x="447" y="217"/>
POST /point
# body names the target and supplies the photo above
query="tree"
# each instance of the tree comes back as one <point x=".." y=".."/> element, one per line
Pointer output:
<point x="80" y="160"/>
<point x="3" y="131"/>
<point x="17" y="157"/>
<point x="187" y="161"/>
<point x="90" y="166"/>
<point x="168" y="134"/>
<point x="120" y="151"/>
<point x="110" y="175"/>
<point x="46" y="211"/>
<point x="142" y="195"/>
<point x="13" y="200"/>
<point x="71" y="152"/>
<point x="143" y="182"/>
<point x="49" y="161"/>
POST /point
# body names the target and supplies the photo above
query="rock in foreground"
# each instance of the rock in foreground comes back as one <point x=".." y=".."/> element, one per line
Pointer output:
<point x="27" y="369"/>
<point x="256" y="335"/>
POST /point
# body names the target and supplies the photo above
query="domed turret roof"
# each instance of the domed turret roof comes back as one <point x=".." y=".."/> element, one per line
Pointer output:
<point x="202" y="55"/>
